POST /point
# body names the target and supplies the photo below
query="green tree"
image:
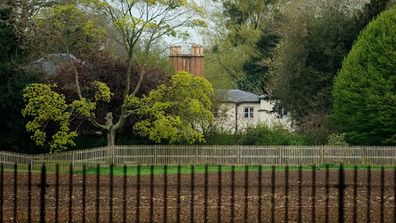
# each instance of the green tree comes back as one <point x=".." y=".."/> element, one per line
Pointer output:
<point x="68" y="27"/>
<point x="179" y="113"/>
<point x="13" y="78"/>
<point x="237" y="27"/>
<point x="364" y="91"/>
<point x="315" y="38"/>
<point x="136" y="26"/>
<point x="372" y="9"/>
<point x="256" y="68"/>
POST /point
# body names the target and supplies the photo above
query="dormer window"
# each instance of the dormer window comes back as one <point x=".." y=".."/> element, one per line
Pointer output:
<point x="249" y="112"/>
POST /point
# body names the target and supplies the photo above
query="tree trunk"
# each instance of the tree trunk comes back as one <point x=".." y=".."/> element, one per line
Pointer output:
<point x="111" y="138"/>
<point x="111" y="145"/>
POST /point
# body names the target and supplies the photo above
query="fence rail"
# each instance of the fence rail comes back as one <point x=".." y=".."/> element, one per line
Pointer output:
<point x="212" y="155"/>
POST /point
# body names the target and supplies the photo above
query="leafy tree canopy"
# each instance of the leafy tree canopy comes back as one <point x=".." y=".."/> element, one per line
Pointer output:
<point x="86" y="27"/>
<point x="364" y="90"/>
<point x="233" y="40"/>
<point x="68" y="28"/>
<point x="315" y="38"/>
<point x="178" y="113"/>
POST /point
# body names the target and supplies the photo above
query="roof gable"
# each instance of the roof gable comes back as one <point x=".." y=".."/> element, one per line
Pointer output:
<point x="237" y="96"/>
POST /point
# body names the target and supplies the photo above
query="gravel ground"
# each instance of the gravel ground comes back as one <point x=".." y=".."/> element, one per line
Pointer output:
<point x="79" y="214"/>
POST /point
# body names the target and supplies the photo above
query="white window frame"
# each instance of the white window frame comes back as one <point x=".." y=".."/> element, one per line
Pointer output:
<point x="248" y="112"/>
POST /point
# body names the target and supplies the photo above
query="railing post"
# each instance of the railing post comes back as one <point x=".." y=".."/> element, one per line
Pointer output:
<point x="43" y="184"/>
<point x="364" y="156"/>
<point x="341" y="188"/>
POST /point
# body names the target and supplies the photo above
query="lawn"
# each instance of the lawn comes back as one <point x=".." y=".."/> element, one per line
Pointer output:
<point x="199" y="169"/>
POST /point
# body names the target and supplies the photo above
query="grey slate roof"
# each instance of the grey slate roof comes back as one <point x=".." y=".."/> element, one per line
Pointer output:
<point x="237" y="96"/>
<point x="52" y="62"/>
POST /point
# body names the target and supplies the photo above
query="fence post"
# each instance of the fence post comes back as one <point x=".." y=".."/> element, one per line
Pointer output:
<point x="238" y="155"/>
<point x="196" y="155"/>
<point x="155" y="154"/>
<point x="31" y="161"/>
<point x="364" y="156"/>
<point x="113" y="154"/>
<point x="280" y="155"/>
<point x="321" y="155"/>
<point x="73" y="154"/>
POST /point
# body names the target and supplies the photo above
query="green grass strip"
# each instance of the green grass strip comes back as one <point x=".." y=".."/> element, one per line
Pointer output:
<point x="186" y="169"/>
<point x="159" y="170"/>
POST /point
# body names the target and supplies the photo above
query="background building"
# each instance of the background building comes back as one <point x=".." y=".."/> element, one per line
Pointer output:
<point x="237" y="109"/>
<point x="234" y="109"/>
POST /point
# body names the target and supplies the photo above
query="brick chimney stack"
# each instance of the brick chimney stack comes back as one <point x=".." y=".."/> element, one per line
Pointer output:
<point x="192" y="63"/>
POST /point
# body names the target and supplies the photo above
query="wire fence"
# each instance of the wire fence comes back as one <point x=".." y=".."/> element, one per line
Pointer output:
<point x="201" y="155"/>
<point x="196" y="194"/>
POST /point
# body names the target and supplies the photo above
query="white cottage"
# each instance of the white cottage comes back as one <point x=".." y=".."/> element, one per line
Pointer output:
<point x="239" y="109"/>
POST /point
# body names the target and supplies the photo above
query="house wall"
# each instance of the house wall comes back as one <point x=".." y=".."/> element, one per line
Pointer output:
<point x="231" y="116"/>
<point x="270" y="117"/>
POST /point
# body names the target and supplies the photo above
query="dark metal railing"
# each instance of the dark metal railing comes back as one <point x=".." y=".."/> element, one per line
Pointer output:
<point x="211" y="194"/>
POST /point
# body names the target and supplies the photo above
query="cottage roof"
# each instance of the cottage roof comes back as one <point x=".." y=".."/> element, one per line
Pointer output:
<point x="237" y="96"/>
<point x="52" y="62"/>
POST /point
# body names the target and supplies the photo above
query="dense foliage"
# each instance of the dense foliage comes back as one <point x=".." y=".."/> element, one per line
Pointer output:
<point x="257" y="135"/>
<point x="112" y="60"/>
<point x="365" y="90"/>
<point x="177" y="114"/>
<point x="49" y="110"/>
<point x="13" y="79"/>
<point x="239" y="25"/>
<point x="257" y="67"/>
<point x="130" y="29"/>
<point x="310" y="54"/>
<point x="264" y="135"/>
<point x="315" y="38"/>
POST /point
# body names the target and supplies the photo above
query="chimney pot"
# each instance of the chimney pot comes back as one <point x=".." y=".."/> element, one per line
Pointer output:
<point x="193" y="63"/>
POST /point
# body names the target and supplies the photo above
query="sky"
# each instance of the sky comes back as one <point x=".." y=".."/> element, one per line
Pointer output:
<point x="197" y="35"/>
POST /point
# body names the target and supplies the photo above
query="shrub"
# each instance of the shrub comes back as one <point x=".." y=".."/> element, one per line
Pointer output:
<point x="220" y="137"/>
<point x="264" y="135"/>
<point x="337" y="139"/>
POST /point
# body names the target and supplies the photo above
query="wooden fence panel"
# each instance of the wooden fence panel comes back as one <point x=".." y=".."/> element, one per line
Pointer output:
<point x="203" y="154"/>
<point x="9" y="159"/>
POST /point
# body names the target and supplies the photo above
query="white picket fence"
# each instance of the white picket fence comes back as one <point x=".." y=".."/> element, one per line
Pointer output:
<point x="212" y="155"/>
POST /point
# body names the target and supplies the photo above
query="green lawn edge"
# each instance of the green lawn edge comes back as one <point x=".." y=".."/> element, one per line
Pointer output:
<point x="145" y="170"/>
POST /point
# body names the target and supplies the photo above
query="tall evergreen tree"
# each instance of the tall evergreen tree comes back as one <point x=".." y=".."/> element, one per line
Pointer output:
<point x="365" y="88"/>
<point x="256" y="68"/>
